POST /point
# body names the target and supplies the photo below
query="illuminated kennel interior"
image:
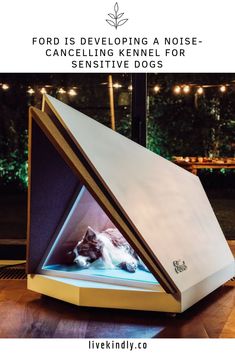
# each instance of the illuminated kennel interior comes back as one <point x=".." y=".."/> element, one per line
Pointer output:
<point x="86" y="213"/>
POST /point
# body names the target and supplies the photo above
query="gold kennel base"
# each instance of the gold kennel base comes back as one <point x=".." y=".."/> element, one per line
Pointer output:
<point x="92" y="294"/>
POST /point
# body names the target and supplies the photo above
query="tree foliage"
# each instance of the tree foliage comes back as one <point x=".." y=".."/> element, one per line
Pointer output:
<point x="192" y="125"/>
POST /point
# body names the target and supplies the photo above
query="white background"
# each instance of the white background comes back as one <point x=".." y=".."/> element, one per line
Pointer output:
<point x="81" y="345"/>
<point x="211" y="21"/>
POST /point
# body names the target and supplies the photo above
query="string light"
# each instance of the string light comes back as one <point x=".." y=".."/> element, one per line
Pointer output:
<point x="72" y="92"/>
<point x="117" y="85"/>
<point x="61" y="90"/>
<point x="200" y="90"/>
<point x="222" y="89"/>
<point x="43" y="90"/>
<point x="156" y="88"/>
<point x="183" y="88"/>
<point x="5" y="86"/>
<point x="177" y="89"/>
<point x="186" y="89"/>
<point x="30" y="91"/>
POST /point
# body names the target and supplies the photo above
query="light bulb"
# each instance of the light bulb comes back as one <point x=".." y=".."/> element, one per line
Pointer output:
<point x="61" y="91"/>
<point x="222" y="88"/>
<point x="43" y="90"/>
<point x="156" y="88"/>
<point x="72" y="92"/>
<point x="200" y="90"/>
<point x="5" y="86"/>
<point x="186" y="89"/>
<point x="177" y="89"/>
<point x="31" y="91"/>
<point x="117" y="85"/>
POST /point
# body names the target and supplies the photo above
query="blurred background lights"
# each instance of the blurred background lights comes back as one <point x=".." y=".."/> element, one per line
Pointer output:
<point x="177" y="89"/>
<point x="5" y="86"/>
<point x="43" y="90"/>
<point x="31" y="91"/>
<point x="186" y="89"/>
<point x="61" y="90"/>
<point x="223" y="89"/>
<point x="117" y="85"/>
<point x="72" y="92"/>
<point x="156" y="88"/>
<point x="200" y="90"/>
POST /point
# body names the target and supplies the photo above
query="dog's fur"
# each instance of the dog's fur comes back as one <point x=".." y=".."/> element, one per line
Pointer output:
<point x="111" y="247"/>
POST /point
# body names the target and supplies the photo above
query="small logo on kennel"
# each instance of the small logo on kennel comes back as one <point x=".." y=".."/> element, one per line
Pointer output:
<point x="179" y="265"/>
<point x="116" y="19"/>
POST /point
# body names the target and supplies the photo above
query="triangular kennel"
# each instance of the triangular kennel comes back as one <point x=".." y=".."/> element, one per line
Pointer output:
<point x="82" y="174"/>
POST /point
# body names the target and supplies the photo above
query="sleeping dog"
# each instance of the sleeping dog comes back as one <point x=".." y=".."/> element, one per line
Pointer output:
<point x="111" y="247"/>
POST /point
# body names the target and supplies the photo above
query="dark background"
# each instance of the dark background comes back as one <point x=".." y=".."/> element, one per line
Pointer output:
<point x="184" y="124"/>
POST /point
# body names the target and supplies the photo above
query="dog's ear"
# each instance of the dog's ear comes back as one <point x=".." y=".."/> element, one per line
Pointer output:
<point x="69" y="257"/>
<point x="90" y="234"/>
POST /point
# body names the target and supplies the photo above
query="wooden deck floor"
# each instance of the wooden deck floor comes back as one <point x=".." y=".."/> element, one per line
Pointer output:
<point x="27" y="314"/>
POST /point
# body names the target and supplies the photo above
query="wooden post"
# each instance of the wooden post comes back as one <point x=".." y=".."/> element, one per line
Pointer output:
<point x="111" y="101"/>
<point x="139" y="108"/>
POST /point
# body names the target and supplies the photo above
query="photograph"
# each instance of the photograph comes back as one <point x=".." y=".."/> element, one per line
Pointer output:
<point x="117" y="203"/>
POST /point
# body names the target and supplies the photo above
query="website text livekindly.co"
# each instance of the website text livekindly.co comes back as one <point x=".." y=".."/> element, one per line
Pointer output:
<point x="117" y="52"/>
<point x="117" y="345"/>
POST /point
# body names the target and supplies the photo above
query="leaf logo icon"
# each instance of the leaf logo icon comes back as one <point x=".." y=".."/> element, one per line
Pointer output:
<point x="116" y="19"/>
<point x="116" y="7"/>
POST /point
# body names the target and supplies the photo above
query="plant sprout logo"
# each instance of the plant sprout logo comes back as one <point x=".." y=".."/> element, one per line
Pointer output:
<point x="116" y="18"/>
<point x="179" y="265"/>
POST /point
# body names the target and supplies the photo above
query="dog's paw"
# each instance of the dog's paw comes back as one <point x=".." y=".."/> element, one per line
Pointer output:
<point x="128" y="266"/>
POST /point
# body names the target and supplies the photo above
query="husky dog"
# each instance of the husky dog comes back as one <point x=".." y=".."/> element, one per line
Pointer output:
<point x="111" y="247"/>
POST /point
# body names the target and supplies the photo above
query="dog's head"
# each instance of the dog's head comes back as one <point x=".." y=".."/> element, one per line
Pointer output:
<point x="87" y="250"/>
